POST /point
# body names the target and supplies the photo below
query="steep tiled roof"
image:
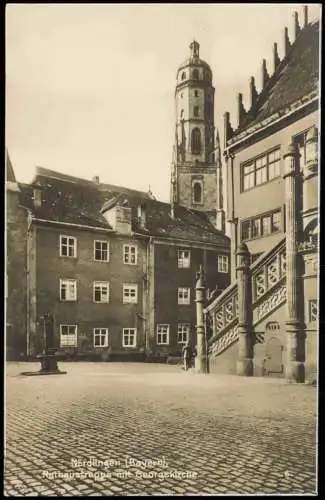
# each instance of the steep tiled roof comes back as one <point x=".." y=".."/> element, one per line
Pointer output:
<point x="70" y="201"/>
<point x="296" y="78"/>
<point x="186" y="224"/>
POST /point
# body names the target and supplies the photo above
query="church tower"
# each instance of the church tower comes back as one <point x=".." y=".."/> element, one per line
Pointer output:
<point x="196" y="177"/>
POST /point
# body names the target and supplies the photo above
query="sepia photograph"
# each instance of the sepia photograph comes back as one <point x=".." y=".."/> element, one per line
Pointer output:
<point x="161" y="280"/>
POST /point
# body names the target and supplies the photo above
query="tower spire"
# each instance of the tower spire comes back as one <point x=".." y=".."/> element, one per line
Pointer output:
<point x="195" y="49"/>
<point x="193" y="178"/>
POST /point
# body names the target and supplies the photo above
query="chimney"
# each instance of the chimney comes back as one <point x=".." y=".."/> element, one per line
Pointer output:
<point x="241" y="109"/>
<point x="305" y="15"/>
<point x="253" y="91"/>
<point x="276" y="58"/>
<point x="172" y="210"/>
<point x="142" y="216"/>
<point x="286" y="42"/>
<point x="265" y="75"/>
<point x="37" y="196"/>
<point x="296" y="24"/>
<point x="95" y="179"/>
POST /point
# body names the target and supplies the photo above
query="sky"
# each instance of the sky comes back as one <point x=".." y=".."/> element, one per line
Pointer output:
<point x="90" y="87"/>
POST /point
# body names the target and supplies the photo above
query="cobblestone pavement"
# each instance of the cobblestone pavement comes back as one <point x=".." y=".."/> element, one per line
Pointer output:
<point x="204" y="434"/>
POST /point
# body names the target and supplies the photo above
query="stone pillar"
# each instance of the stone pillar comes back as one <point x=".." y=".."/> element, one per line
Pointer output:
<point x="201" y="360"/>
<point x="295" y="356"/>
<point x="245" y="327"/>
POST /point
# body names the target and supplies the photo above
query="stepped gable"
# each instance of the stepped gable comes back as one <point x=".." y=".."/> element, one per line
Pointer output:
<point x="294" y="81"/>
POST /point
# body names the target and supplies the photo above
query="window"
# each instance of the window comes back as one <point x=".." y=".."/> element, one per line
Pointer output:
<point x="266" y="225"/>
<point x="222" y="263"/>
<point x="197" y="192"/>
<point x="248" y="177"/>
<point x="245" y="230"/>
<point x="68" y="335"/>
<point x="162" y="334"/>
<point x="260" y="170"/>
<point x="130" y="294"/>
<point x="182" y="114"/>
<point x="196" y="110"/>
<point x="276" y="222"/>
<point x="184" y="296"/>
<point x="196" y="141"/>
<point x="256" y="228"/>
<point x="184" y="258"/>
<point x="300" y="140"/>
<point x="68" y="290"/>
<point x="68" y="246"/>
<point x="183" y="75"/>
<point x="195" y="74"/>
<point x="101" y="251"/>
<point x="313" y="310"/>
<point x="130" y="254"/>
<point x="100" y="337"/>
<point x="311" y="232"/>
<point x="261" y="226"/>
<point x="274" y="164"/>
<point x="129" y="337"/>
<point x="196" y="94"/>
<point x="183" y="333"/>
<point x="101" y="291"/>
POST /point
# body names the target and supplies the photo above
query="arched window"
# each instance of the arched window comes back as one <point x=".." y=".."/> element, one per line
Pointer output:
<point x="196" y="141"/>
<point x="196" y="94"/>
<point x="197" y="192"/>
<point x="195" y="74"/>
<point x="312" y="232"/>
<point x="196" y="110"/>
<point x="183" y="75"/>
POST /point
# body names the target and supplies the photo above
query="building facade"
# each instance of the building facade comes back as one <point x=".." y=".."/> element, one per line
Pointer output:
<point x="272" y="181"/>
<point x="196" y="177"/>
<point x="16" y="290"/>
<point x="114" y="267"/>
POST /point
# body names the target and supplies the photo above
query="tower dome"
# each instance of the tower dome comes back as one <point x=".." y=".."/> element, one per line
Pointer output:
<point x="193" y="68"/>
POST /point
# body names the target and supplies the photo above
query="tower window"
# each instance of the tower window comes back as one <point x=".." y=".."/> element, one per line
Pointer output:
<point x="196" y="141"/>
<point x="182" y="114"/>
<point x="196" y="110"/>
<point x="196" y="94"/>
<point x="195" y="74"/>
<point x="197" y="192"/>
<point x="183" y="75"/>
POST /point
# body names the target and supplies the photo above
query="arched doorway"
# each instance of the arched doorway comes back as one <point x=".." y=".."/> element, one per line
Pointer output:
<point x="273" y="361"/>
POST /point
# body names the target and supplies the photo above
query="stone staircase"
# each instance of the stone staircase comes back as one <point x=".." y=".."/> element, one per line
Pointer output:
<point x="268" y="292"/>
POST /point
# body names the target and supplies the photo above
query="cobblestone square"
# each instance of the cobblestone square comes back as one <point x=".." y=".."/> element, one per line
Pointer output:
<point x="126" y="429"/>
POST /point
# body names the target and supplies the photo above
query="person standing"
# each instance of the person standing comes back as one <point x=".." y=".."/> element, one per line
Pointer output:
<point x="186" y="356"/>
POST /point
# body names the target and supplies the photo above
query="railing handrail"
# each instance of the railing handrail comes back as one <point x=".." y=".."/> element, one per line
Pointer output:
<point x="221" y="298"/>
<point x="266" y="256"/>
<point x="262" y="260"/>
<point x="230" y="325"/>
